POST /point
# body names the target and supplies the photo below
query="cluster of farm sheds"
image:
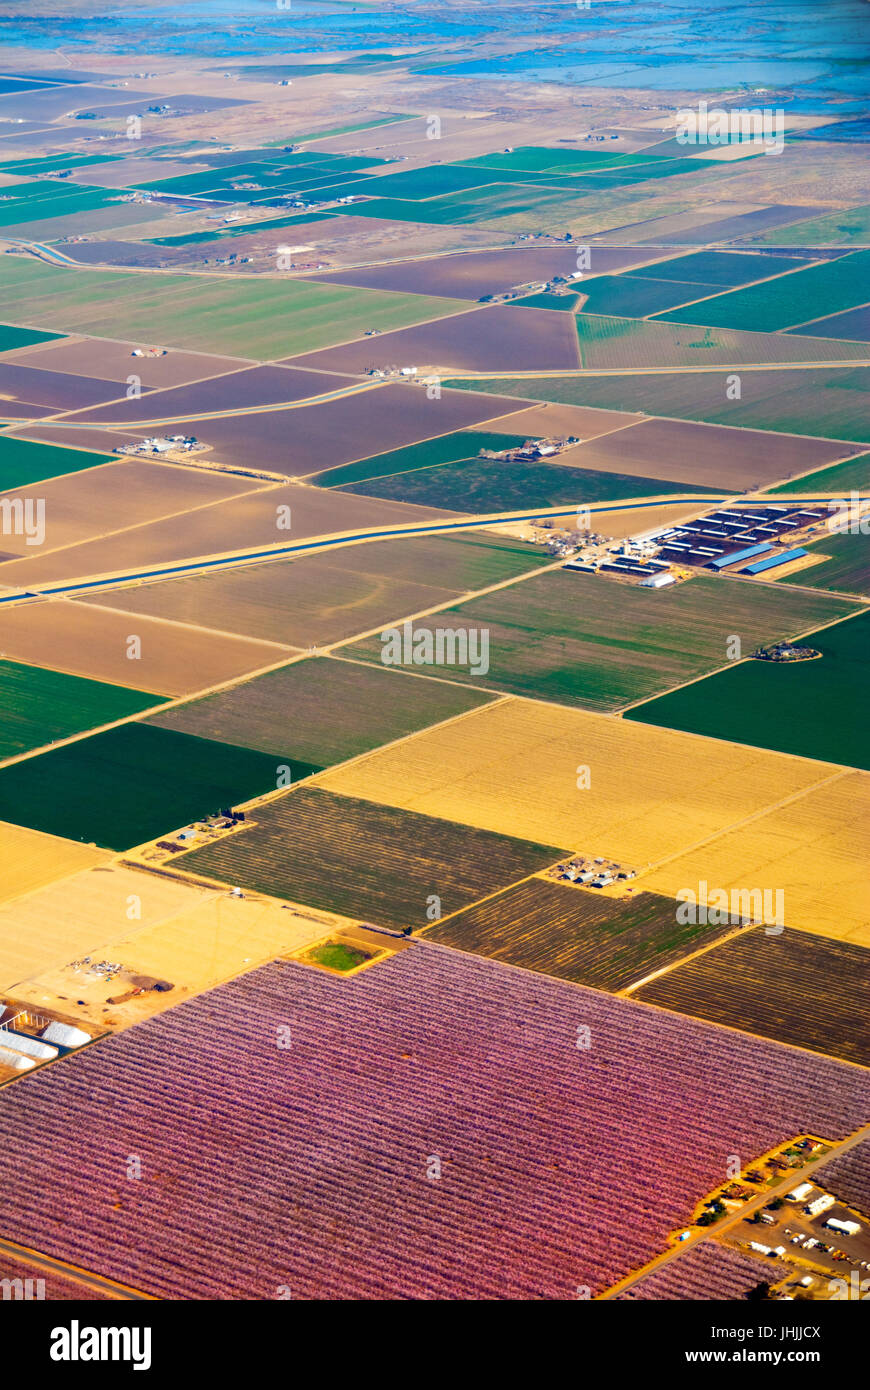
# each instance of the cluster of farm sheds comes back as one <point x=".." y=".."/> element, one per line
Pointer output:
<point x="748" y="541"/>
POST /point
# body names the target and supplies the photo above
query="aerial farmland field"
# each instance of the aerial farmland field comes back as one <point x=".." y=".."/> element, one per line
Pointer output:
<point x="430" y="1053"/>
<point x="38" y="706"/>
<point x="133" y="783"/>
<point x="575" y="934"/>
<point x="337" y="710"/>
<point x="811" y="708"/>
<point x="830" y="402"/>
<point x="785" y="987"/>
<point x="845" y="568"/>
<point x="639" y="806"/>
<point x="710" y="1272"/>
<point x="30" y="859"/>
<point x="622" y="343"/>
<point x="23" y="461"/>
<point x="600" y="644"/>
<point x="364" y="860"/>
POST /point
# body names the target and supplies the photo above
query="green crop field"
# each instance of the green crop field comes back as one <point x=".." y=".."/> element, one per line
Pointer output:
<point x="447" y="448"/>
<point x="38" y="706"/>
<point x="813" y="708"/>
<point x="341" y="854"/>
<point x="828" y="402"/>
<point x="487" y="485"/>
<point x="839" y="479"/>
<point x="338" y="709"/>
<point x="624" y="343"/>
<point x="790" y="300"/>
<point x="634" y="297"/>
<point x="575" y="934"/>
<point x="24" y="461"/>
<point x="845" y="228"/>
<point x="720" y="268"/>
<point x="12" y="338"/>
<point x="538" y="159"/>
<point x="131" y="784"/>
<point x="847" y="568"/>
<point x="798" y="988"/>
<point x="587" y="640"/>
<point x="243" y="229"/>
<point x="244" y="318"/>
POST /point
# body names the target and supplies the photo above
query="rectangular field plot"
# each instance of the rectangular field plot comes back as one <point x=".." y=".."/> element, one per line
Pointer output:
<point x="811" y="708"/>
<point x="633" y="297"/>
<point x="236" y="525"/>
<point x="24" y="461"/>
<point x="795" y="988"/>
<point x="640" y="805"/>
<point x="494" y="339"/>
<point x="812" y="293"/>
<point x="431" y="453"/>
<point x="854" y="473"/>
<point x="846" y="566"/>
<point x="320" y="599"/>
<point x="132" y="784"/>
<point x="722" y="268"/>
<point x="683" y="451"/>
<point x="364" y="860"/>
<point x="583" y="639"/>
<point x="473" y="274"/>
<point x="574" y="934"/>
<point x="142" y="653"/>
<point x="247" y="389"/>
<point x="115" y="362"/>
<point x="854" y="324"/>
<point x="38" y="706"/>
<point x="429" y="1052"/>
<point x="624" y="343"/>
<point x="321" y="711"/>
<point x="12" y="338"/>
<point x="28" y="859"/>
<point x="832" y="402"/>
<point x="32" y="384"/>
<point x="814" y="848"/>
<point x="202" y="313"/>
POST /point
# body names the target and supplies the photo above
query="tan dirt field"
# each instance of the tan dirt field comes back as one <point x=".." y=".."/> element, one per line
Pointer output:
<point x="111" y="497"/>
<point x="200" y="945"/>
<point x="29" y="860"/>
<point x="101" y="357"/>
<point x="584" y="422"/>
<point x="512" y="767"/>
<point x="75" y="916"/>
<point x="245" y="523"/>
<point x="816" y="850"/>
<point x="85" y="640"/>
<point x="708" y="455"/>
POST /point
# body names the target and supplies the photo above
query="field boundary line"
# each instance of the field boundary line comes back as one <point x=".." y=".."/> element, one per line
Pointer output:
<point x="820" y="318"/>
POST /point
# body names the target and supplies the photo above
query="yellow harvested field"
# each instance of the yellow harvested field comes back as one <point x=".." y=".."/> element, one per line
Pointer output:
<point x="78" y="915"/>
<point x="513" y="766"/>
<point x="816" y="850"/>
<point x="87" y="640"/>
<point x="212" y="939"/>
<point x="29" y="859"/>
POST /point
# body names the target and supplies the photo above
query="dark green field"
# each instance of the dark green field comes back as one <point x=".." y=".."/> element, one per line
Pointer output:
<point x="12" y="337"/>
<point x="633" y="297"/>
<point x="720" y="268"/>
<point x="447" y="448"/>
<point x="38" y="706"/>
<point x="575" y="934"/>
<point x="321" y="711"/>
<point x="817" y="709"/>
<point x="487" y="485"/>
<point x="839" y="479"/>
<point x="364" y="860"/>
<point x="24" y="461"/>
<point x="582" y="639"/>
<point x="826" y="288"/>
<point x="131" y="784"/>
<point x="847" y="570"/>
<point x="828" y="402"/>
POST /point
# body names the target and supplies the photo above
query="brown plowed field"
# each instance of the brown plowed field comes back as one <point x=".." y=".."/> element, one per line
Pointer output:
<point x="254" y="386"/>
<point x="584" y="422"/>
<point x="710" y="455"/>
<point x="243" y="523"/>
<point x="475" y="273"/>
<point x="575" y="933"/>
<point x="113" y="361"/>
<point x="60" y="390"/>
<point x="89" y="641"/>
<point x="129" y="493"/>
<point x="367" y="861"/>
<point x="805" y="990"/>
<point x="483" y="340"/>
